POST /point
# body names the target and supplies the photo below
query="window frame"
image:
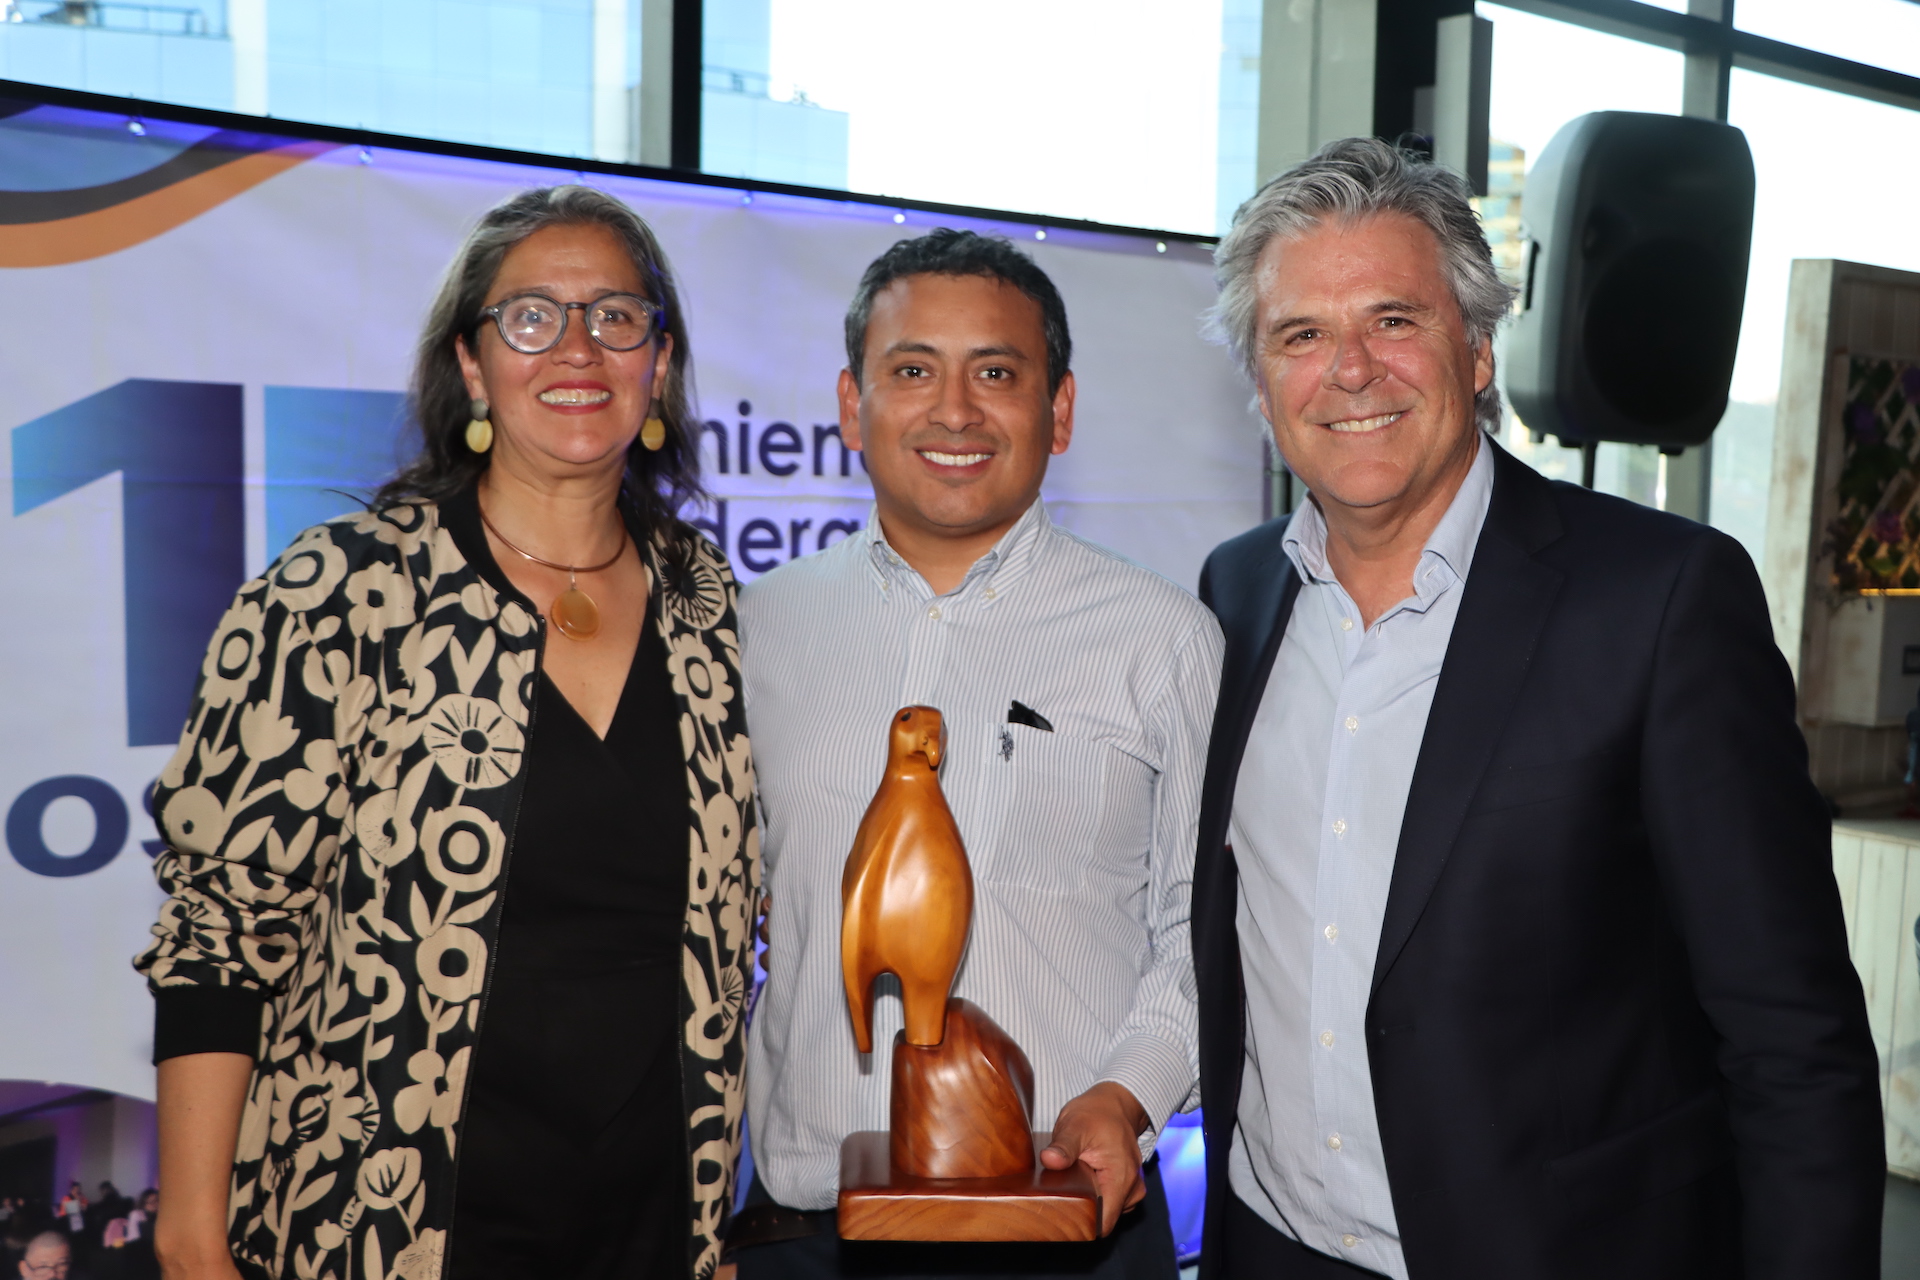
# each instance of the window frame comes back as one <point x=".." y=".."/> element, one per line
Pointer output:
<point x="1720" y="39"/>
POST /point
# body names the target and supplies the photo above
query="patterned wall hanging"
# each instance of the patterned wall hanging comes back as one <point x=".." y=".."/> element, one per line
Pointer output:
<point x="1874" y="538"/>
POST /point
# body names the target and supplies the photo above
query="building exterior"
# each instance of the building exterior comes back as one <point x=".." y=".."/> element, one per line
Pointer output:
<point x="1238" y="144"/>
<point x="176" y="54"/>
<point x="745" y="132"/>
<point x="557" y="77"/>
<point x="1499" y="210"/>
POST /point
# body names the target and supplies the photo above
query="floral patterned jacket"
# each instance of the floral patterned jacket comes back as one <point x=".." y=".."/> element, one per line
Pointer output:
<point x="338" y="820"/>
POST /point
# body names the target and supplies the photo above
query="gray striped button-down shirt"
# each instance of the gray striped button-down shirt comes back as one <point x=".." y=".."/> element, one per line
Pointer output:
<point x="1081" y="838"/>
<point x="1316" y="821"/>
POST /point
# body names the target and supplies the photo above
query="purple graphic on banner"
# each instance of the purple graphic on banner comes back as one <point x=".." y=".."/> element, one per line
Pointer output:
<point x="179" y="451"/>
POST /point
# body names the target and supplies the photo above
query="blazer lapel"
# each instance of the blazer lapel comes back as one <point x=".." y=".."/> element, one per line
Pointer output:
<point x="1251" y="588"/>
<point x="1508" y="596"/>
<point x="1253" y="603"/>
<point x="1245" y="670"/>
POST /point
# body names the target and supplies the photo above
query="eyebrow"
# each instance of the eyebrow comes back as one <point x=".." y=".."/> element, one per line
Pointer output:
<point x="1396" y="306"/>
<point x="554" y="292"/>
<point x="975" y="353"/>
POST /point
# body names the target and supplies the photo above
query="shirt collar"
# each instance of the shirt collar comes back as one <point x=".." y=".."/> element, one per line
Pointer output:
<point x="1009" y="558"/>
<point x="1450" y="544"/>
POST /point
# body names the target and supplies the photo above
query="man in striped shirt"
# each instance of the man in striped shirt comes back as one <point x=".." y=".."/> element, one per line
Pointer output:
<point x="1077" y="691"/>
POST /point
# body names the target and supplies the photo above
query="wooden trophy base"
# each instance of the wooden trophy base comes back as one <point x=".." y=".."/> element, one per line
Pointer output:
<point x="879" y="1203"/>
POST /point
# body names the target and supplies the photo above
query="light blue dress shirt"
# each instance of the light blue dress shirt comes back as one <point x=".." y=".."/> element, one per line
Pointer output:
<point x="1081" y="837"/>
<point x="1316" y="822"/>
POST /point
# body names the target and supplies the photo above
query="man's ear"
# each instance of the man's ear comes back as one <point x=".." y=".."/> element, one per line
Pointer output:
<point x="1063" y="413"/>
<point x="849" y="394"/>
<point x="1482" y="365"/>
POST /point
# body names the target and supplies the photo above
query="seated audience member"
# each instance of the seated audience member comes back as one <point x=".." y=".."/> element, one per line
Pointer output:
<point x="142" y="1215"/>
<point x="107" y="1207"/>
<point x="48" y="1257"/>
<point x="135" y="1260"/>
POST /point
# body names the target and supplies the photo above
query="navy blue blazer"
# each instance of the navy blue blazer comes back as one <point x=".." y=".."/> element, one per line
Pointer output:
<point x="1614" y="1030"/>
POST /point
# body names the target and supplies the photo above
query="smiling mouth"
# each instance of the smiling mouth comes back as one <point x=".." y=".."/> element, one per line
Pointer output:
<point x="952" y="459"/>
<point x="1356" y="426"/>
<point x="574" y="395"/>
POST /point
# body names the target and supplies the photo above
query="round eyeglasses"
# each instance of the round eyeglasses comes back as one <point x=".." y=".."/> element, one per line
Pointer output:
<point x="531" y="323"/>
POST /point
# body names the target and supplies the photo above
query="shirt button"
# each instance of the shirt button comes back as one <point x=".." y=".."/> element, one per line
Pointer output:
<point x="1353" y="724"/>
<point x="1339" y="826"/>
<point x="934" y="613"/>
<point x="1333" y="1142"/>
<point x="988" y="593"/>
<point x="1326" y="1038"/>
<point x="1346" y="624"/>
<point x="1350" y="1240"/>
<point x="1333" y="931"/>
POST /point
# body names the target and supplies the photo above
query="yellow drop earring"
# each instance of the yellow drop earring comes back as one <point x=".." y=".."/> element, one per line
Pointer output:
<point x="653" y="434"/>
<point x="480" y="429"/>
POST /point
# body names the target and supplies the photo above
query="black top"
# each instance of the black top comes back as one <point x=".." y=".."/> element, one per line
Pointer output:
<point x="573" y="1158"/>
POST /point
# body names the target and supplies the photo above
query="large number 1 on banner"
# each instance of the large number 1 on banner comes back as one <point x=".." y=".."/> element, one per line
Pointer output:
<point x="181" y="454"/>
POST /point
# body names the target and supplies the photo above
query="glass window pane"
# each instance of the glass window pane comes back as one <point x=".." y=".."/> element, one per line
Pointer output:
<point x="1239" y="108"/>
<point x="550" y="76"/>
<point x="1546" y="73"/>
<point x="1881" y="33"/>
<point x="1801" y="139"/>
<point x="1078" y="108"/>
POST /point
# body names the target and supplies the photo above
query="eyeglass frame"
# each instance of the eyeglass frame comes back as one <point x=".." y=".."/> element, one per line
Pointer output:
<point x="656" y="319"/>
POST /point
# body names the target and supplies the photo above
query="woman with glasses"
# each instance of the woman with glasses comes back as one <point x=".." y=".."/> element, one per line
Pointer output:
<point x="460" y="857"/>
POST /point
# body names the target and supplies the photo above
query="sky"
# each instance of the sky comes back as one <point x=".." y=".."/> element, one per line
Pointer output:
<point x="1885" y="33"/>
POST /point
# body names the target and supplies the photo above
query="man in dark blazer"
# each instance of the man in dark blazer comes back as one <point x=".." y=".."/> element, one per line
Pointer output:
<point x="1517" y="940"/>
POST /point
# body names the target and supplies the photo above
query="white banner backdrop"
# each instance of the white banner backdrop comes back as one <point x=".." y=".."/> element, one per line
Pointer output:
<point x="288" y="308"/>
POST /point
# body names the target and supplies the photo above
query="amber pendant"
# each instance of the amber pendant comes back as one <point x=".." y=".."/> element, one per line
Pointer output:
<point x="575" y="614"/>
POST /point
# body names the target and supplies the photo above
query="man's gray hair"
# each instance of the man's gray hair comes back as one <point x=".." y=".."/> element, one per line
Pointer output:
<point x="1348" y="181"/>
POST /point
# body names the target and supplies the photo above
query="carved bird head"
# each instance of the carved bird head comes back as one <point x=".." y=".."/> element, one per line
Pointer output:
<point x="919" y="731"/>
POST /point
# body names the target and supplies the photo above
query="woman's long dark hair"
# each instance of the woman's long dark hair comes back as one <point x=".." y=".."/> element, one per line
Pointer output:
<point x="658" y="483"/>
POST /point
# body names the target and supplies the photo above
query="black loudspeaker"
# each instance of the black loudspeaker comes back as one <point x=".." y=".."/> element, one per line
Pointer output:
<point x="1641" y="227"/>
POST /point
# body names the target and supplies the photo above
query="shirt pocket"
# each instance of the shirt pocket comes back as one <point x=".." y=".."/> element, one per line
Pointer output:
<point x="1074" y="811"/>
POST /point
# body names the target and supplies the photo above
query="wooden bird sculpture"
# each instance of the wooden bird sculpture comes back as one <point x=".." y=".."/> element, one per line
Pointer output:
<point x="907" y="893"/>
<point x="958" y="1160"/>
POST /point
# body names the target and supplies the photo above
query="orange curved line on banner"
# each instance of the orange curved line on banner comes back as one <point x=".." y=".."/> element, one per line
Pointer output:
<point x="121" y="226"/>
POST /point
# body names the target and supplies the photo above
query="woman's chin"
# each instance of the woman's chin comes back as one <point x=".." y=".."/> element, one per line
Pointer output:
<point x="578" y="451"/>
